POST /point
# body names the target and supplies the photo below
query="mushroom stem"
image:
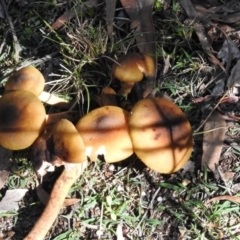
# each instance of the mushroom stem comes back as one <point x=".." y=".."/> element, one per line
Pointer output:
<point x="56" y="200"/>
<point x="52" y="99"/>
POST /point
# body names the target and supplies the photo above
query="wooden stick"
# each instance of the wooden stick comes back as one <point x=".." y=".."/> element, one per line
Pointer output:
<point x="55" y="203"/>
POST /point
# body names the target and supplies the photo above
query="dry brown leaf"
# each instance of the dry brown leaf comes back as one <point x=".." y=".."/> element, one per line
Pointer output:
<point x="66" y="17"/>
<point x="5" y="165"/>
<point x="229" y="18"/>
<point x="228" y="51"/>
<point x="69" y="14"/>
<point x="200" y="31"/>
<point x="110" y="10"/>
<point x="140" y="14"/>
<point x="235" y="188"/>
<point x="220" y="82"/>
<point x="70" y="201"/>
<point x="10" y="201"/>
<point x="228" y="176"/>
<point x="214" y="133"/>
<point x="226" y="197"/>
<point x="234" y="80"/>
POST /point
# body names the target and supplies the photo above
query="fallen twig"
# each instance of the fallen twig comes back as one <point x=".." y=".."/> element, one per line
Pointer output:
<point x="55" y="203"/>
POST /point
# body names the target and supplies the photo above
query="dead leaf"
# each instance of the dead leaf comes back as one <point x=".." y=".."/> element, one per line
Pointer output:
<point x="189" y="167"/>
<point x="5" y="165"/>
<point x="66" y="17"/>
<point x="235" y="187"/>
<point x="228" y="18"/>
<point x="140" y="14"/>
<point x="2" y="15"/>
<point x="200" y="31"/>
<point x="226" y="197"/>
<point x="69" y="14"/>
<point x="228" y="176"/>
<point x="11" y="199"/>
<point x="220" y="81"/>
<point x="70" y="201"/>
<point x="234" y="80"/>
<point x="110" y="10"/>
<point x="228" y="51"/>
<point x="214" y="133"/>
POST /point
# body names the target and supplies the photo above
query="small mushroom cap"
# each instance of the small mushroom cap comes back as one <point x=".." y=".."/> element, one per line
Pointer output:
<point x="149" y="65"/>
<point x="105" y="132"/>
<point x="27" y="78"/>
<point x="67" y="143"/>
<point x="132" y="67"/>
<point x="127" y="68"/>
<point x="22" y="119"/>
<point x="161" y="134"/>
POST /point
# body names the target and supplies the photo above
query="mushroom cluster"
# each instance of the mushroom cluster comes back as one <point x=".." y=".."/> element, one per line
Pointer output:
<point x="155" y="129"/>
<point x="23" y="116"/>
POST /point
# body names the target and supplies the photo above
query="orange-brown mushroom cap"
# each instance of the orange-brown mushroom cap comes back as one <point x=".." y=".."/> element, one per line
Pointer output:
<point x="127" y="68"/>
<point x="27" y="78"/>
<point x="161" y="134"/>
<point x="67" y="143"/>
<point x="131" y="68"/>
<point x="22" y="119"/>
<point x="105" y="132"/>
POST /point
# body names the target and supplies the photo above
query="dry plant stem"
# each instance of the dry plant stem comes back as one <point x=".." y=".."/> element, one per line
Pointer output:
<point x="56" y="200"/>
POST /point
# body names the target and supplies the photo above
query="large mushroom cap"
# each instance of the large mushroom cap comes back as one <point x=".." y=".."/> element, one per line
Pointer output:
<point x="67" y="142"/>
<point x="27" y="78"/>
<point x="161" y="134"/>
<point x="22" y="119"/>
<point x="105" y="132"/>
